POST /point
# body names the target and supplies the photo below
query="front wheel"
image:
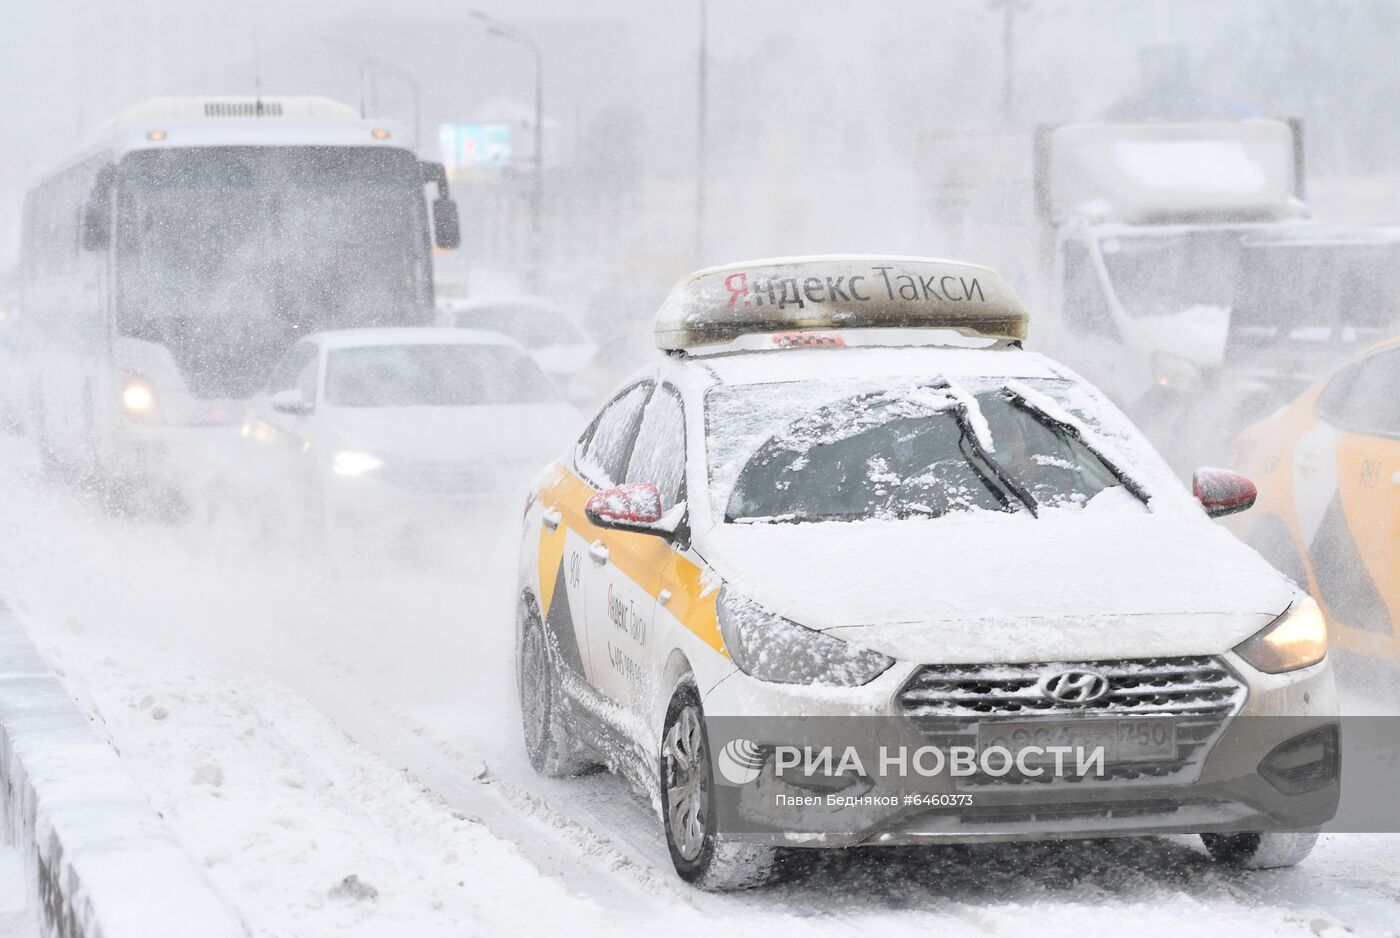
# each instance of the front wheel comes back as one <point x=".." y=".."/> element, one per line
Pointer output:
<point x="688" y="806"/>
<point x="1260" y="851"/>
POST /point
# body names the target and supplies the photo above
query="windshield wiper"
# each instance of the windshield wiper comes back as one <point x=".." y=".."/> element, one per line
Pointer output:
<point x="1072" y="431"/>
<point x="1005" y="478"/>
<point x="969" y="432"/>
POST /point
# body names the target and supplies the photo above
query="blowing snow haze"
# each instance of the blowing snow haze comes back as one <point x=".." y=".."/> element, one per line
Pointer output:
<point x="398" y="535"/>
<point x="828" y="128"/>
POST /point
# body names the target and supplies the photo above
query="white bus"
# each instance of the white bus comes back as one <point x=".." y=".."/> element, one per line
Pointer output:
<point x="168" y="265"/>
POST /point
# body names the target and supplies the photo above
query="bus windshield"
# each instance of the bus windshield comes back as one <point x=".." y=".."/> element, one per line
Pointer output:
<point x="226" y="254"/>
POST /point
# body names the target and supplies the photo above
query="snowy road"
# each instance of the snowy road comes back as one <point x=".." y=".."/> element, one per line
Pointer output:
<point x="343" y="757"/>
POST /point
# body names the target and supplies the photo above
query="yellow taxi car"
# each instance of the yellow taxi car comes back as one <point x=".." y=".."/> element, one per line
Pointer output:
<point x="847" y="508"/>
<point x="1328" y="515"/>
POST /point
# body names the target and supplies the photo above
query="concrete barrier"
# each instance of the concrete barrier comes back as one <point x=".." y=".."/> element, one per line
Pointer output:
<point x="101" y="861"/>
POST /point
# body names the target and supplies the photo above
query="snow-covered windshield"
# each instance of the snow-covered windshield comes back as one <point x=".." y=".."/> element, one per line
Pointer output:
<point x="434" y="376"/>
<point x="814" y="451"/>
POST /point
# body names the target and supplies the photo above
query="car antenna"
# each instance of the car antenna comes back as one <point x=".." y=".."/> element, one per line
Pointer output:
<point x="257" y="65"/>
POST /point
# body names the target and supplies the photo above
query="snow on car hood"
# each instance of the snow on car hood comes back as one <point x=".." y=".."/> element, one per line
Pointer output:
<point x="989" y="587"/>
<point x="456" y="433"/>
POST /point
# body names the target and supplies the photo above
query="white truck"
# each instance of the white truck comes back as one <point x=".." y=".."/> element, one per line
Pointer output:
<point x="1178" y="265"/>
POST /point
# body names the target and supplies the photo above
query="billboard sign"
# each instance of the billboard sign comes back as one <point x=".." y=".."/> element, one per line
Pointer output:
<point x="468" y="147"/>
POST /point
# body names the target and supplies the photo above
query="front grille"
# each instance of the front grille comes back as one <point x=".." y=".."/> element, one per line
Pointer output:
<point x="945" y="704"/>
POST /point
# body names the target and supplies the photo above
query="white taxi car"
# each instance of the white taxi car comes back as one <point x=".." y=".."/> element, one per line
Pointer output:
<point x="847" y="490"/>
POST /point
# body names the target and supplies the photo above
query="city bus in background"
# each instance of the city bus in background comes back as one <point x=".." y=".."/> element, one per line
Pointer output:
<point x="167" y="266"/>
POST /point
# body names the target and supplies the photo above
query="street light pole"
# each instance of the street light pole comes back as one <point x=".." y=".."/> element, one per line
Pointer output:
<point x="537" y="195"/>
<point x="1008" y="61"/>
<point x="701" y="141"/>
<point x="506" y="31"/>
<point x="417" y="93"/>
<point x="1009" y="10"/>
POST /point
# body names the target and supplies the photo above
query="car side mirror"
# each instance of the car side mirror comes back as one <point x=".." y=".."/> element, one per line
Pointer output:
<point x="447" y="227"/>
<point x="290" y="401"/>
<point x="635" y="506"/>
<point x="1222" y="492"/>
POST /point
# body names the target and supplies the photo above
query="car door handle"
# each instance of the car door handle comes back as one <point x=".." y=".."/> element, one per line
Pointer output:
<point x="598" y="552"/>
<point x="551" y="518"/>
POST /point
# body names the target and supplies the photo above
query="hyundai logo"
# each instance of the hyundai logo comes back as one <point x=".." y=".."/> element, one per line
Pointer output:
<point x="1074" y="688"/>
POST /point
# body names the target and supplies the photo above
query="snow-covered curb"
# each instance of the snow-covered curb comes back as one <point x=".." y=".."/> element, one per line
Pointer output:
<point x="100" y="860"/>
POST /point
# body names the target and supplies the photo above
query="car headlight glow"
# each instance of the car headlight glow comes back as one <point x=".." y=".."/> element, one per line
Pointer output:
<point x="349" y="462"/>
<point x="137" y="396"/>
<point x="771" y="648"/>
<point x="1175" y="372"/>
<point x="1294" y="640"/>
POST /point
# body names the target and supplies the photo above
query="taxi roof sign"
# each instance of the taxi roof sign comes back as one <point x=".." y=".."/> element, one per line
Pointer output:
<point x="720" y="304"/>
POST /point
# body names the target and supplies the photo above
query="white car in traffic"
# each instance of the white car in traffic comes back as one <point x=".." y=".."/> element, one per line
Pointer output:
<point x="845" y="492"/>
<point x="377" y="430"/>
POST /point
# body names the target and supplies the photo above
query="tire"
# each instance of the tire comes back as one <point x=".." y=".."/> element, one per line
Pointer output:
<point x="687" y="793"/>
<point x="549" y="742"/>
<point x="1260" y="851"/>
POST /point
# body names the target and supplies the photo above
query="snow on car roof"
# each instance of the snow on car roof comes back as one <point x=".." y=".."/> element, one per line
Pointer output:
<point x="719" y="304"/>
<point x="425" y="335"/>
<point x="837" y="363"/>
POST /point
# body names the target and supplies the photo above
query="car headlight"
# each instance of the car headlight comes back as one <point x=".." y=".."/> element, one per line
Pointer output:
<point x="771" y="648"/>
<point x="137" y="396"/>
<point x="349" y="462"/>
<point x="1294" y="640"/>
<point x="1175" y="372"/>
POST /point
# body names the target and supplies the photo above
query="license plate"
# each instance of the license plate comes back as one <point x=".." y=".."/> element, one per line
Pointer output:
<point x="1145" y="740"/>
